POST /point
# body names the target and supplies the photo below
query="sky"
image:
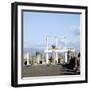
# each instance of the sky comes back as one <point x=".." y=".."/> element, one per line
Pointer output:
<point x="38" y="25"/>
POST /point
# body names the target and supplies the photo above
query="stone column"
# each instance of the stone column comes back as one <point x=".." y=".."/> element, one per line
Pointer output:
<point x="65" y="50"/>
<point x="27" y="58"/>
<point x="56" y="42"/>
<point x="65" y="56"/>
<point x="46" y="57"/>
<point x="47" y="50"/>
<point x="56" y="57"/>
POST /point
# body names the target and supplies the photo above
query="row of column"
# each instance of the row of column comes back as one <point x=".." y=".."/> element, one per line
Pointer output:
<point x="56" y="53"/>
<point x="56" y="57"/>
<point x="47" y="53"/>
<point x="47" y="57"/>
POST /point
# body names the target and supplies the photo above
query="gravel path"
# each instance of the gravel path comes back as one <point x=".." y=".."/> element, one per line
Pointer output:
<point x="46" y="70"/>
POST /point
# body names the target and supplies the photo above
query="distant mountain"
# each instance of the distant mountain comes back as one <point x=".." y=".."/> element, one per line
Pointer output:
<point x="33" y="51"/>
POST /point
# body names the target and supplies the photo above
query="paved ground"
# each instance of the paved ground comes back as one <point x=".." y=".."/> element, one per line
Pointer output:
<point x="46" y="70"/>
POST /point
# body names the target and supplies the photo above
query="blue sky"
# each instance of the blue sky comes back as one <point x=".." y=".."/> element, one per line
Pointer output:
<point x="36" y="25"/>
